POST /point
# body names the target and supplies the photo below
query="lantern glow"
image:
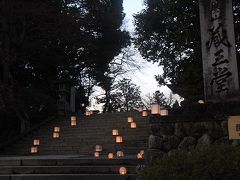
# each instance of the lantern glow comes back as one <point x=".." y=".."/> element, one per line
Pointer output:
<point x="115" y="132"/>
<point x="130" y="119"/>
<point x="110" y="155"/>
<point x="144" y="113"/>
<point x="36" y="142"/>
<point x="200" y="101"/>
<point x="122" y="171"/>
<point x="96" y="154"/>
<point x="56" y="135"/>
<point x="155" y="109"/>
<point x="119" y="139"/>
<point x="88" y="113"/>
<point x="142" y="152"/>
<point x="139" y="155"/>
<point x="133" y="125"/>
<point x="140" y="109"/>
<point x="164" y="112"/>
<point x="98" y="148"/>
<point x="120" y="154"/>
<point x="73" y="122"/>
<point x="34" y="149"/>
<point x="73" y="118"/>
<point x="56" y="129"/>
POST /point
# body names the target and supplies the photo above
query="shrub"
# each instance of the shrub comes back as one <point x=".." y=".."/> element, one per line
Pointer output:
<point x="201" y="163"/>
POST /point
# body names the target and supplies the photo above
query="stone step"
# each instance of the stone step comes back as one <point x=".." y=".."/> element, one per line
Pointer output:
<point x="66" y="160"/>
<point x="103" y="169"/>
<point x="73" y="151"/>
<point x="68" y="177"/>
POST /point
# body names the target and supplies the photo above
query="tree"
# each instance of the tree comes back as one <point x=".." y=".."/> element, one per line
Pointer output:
<point x="42" y="42"/>
<point x="168" y="32"/>
<point x="125" y="96"/>
<point x="157" y="97"/>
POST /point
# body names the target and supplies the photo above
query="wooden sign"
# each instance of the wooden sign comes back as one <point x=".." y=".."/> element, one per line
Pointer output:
<point x="234" y="127"/>
<point x="218" y="51"/>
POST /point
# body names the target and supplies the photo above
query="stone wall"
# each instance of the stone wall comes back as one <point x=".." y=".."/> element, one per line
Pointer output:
<point x="171" y="133"/>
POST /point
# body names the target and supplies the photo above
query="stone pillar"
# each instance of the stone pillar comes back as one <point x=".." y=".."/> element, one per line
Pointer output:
<point x="72" y="99"/>
<point x="220" y="71"/>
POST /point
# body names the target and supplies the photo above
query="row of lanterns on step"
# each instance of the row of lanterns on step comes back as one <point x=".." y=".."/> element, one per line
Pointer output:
<point x="155" y="109"/>
<point x="56" y="132"/>
<point x="119" y="139"/>
<point x="98" y="149"/>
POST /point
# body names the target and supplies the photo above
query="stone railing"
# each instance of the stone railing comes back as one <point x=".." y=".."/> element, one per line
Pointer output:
<point x="178" y="132"/>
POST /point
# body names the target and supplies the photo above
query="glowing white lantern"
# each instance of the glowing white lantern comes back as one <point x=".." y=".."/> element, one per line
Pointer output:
<point x="120" y="154"/>
<point x="73" y="122"/>
<point x="139" y="155"/>
<point x="56" y="135"/>
<point x="144" y="113"/>
<point x="122" y="171"/>
<point x="73" y="118"/>
<point x="119" y="139"/>
<point x="110" y="155"/>
<point x="56" y="129"/>
<point x="164" y="112"/>
<point x="155" y="109"/>
<point x="201" y="101"/>
<point x="96" y="154"/>
<point x="88" y="113"/>
<point x="140" y="109"/>
<point x="98" y="148"/>
<point x="36" y="142"/>
<point x="34" y="149"/>
<point x="130" y="119"/>
<point x="133" y="125"/>
<point x="114" y="132"/>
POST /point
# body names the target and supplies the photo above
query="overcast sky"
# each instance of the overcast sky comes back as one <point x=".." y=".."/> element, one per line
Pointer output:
<point x="145" y="77"/>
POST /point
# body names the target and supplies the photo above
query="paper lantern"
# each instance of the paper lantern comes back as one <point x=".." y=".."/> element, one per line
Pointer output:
<point x="114" y="132"/>
<point x="96" y="154"/>
<point x="56" y="135"/>
<point x="73" y="122"/>
<point x="36" y="142"/>
<point x="73" y="118"/>
<point x="110" y="155"/>
<point x="140" y="109"/>
<point x="164" y="112"/>
<point x="98" y="148"/>
<point x="139" y="155"/>
<point x="34" y="149"/>
<point x="200" y="101"/>
<point x="88" y="113"/>
<point x="133" y="125"/>
<point x="130" y="119"/>
<point x="119" y="139"/>
<point x="56" y="129"/>
<point x="91" y="112"/>
<point x="155" y="109"/>
<point x="144" y="113"/>
<point x="122" y="171"/>
<point x="120" y="154"/>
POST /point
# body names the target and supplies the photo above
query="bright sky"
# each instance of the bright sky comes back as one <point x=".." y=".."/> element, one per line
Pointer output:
<point x="145" y="77"/>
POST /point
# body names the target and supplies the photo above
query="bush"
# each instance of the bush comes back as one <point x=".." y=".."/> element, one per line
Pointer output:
<point x="202" y="163"/>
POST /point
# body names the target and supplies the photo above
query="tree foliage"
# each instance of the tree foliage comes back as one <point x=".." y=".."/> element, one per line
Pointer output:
<point x="42" y="42"/>
<point x="168" y="32"/>
<point x="204" y="162"/>
<point x="124" y="96"/>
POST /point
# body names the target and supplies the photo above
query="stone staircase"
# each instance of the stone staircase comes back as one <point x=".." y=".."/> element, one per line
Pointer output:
<point x="72" y="154"/>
